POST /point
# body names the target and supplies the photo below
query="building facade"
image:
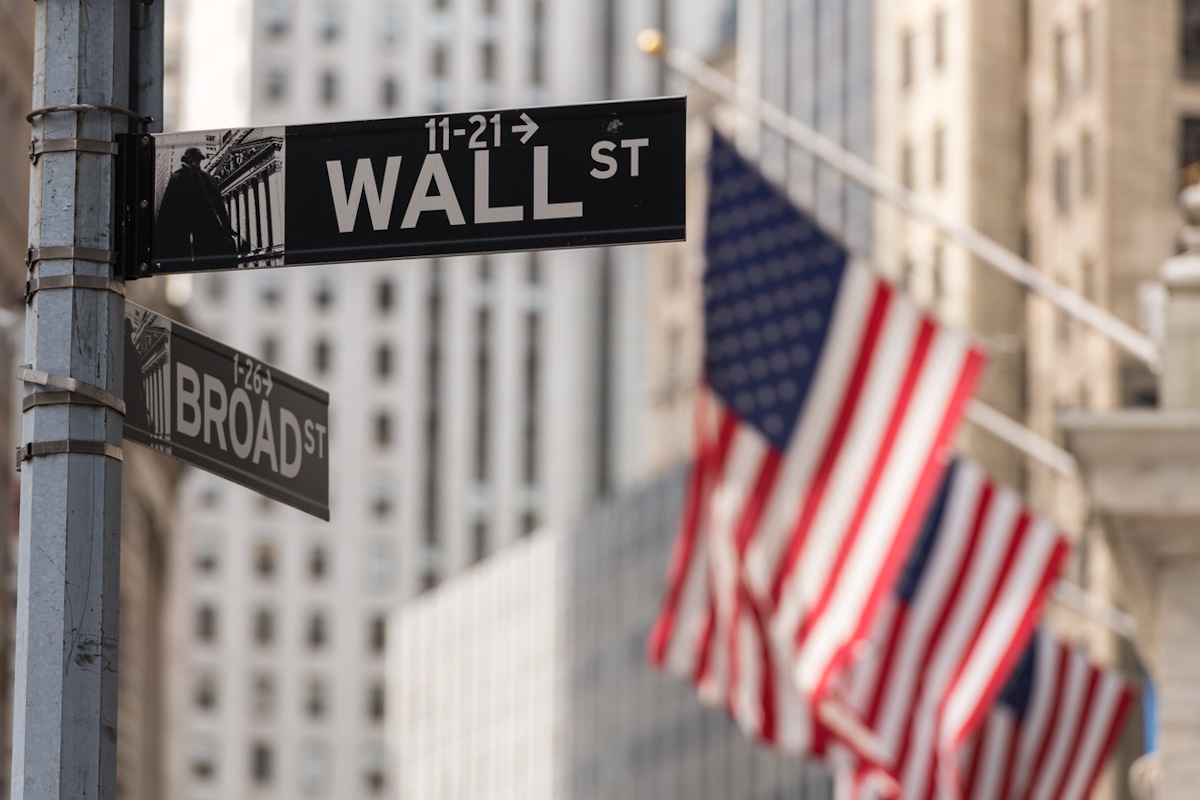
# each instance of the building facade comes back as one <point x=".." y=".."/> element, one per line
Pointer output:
<point x="526" y="678"/>
<point x="473" y="399"/>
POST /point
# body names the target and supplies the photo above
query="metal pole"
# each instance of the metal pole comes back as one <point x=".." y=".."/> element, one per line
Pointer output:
<point x="65" y="697"/>
<point x="987" y="250"/>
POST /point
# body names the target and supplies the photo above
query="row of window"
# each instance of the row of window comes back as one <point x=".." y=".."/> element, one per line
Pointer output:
<point x="315" y="765"/>
<point x="263" y="628"/>
<point x="276" y="82"/>
<point x="324" y="291"/>
<point x="277" y="21"/>
<point x="316" y="702"/>
<point x="318" y="560"/>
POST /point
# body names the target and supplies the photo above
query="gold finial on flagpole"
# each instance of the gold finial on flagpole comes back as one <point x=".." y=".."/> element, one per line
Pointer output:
<point x="651" y="42"/>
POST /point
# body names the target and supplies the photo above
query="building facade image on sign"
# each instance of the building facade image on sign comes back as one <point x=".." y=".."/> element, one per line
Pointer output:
<point x="201" y="401"/>
<point x="488" y="181"/>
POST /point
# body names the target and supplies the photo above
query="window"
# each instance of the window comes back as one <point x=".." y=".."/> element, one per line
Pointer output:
<point x="383" y="361"/>
<point x="204" y="758"/>
<point x="323" y="291"/>
<point x="939" y="155"/>
<point x="263" y="696"/>
<point x="204" y="552"/>
<point x="276" y="84"/>
<point x="1087" y="32"/>
<point x="375" y="702"/>
<point x="374" y="768"/>
<point x="383" y="296"/>
<point x="314" y="767"/>
<point x="438" y="67"/>
<point x="379" y="565"/>
<point x="906" y="166"/>
<point x="264" y="626"/>
<point x="1190" y="31"/>
<point x="316" y="698"/>
<point x="429" y="580"/>
<point x="381" y="495"/>
<point x="1062" y="183"/>
<point x="939" y="277"/>
<point x="321" y="356"/>
<point x="389" y="27"/>
<point x="377" y="635"/>
<point x="269" y="349"/>
<point x="270" y="288"/>
<point x="487" y="56"/>
<point x="529" y="522"/>
<point x="264" y="559"/>
<point x="206" y="691"/>
<point x="382" y="427"/>
<point x="906" y="59"/>
<point x="316" y="634"/>
<point x="330" y="23"/>
<point x="1087" y="164"/>
<point x="1061" y="76"/>
<point x="318" y="562"/>
<point x="329" y="87"/>
<point x="906" y="275"/>
<point x="260" y="762"/>
<point x="479" y="541"/>
<point x="206" y="623"/>
<point x="939" y="39"/>
<point x="276" y="18"/>
<point x="1189" y="141"/>
<point x="389" y="93"/>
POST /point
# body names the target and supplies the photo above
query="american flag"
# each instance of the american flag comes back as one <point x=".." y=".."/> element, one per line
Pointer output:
<point x="1047" y="735"/>
<point x="830" y="404"/>
<point x="955" y="625"/>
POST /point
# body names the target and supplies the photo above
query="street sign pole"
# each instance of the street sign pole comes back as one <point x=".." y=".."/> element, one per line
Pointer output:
<point x="65" y="696"/>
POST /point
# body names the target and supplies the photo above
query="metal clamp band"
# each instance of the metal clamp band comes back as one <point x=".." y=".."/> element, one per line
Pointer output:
<point x="35" y="254"/>
<point x="100" y="146"/>
<point x="57" y="399"/>
<point x="61" y="446"/>
<point x="73" y="282"/>
<point x="102" y="396"/>
<point x="41" y="112"/>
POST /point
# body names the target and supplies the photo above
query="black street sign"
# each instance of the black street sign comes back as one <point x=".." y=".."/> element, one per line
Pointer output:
<point x="201" y="401"/>
<point x="488" y="181"/>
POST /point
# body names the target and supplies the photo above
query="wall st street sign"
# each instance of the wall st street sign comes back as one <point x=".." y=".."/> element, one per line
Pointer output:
<point x="201" y="401"/>
<point x="521" y="179"/>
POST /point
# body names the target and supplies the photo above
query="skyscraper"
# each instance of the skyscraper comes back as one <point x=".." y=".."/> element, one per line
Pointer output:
<point x="473" y="399"/>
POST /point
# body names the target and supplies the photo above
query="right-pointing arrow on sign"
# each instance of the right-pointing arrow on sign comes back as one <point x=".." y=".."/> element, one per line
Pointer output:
<point x="528" y="129"/>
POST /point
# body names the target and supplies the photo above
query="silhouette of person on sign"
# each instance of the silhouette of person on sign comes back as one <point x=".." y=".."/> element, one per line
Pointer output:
<point x="193" y="223"/>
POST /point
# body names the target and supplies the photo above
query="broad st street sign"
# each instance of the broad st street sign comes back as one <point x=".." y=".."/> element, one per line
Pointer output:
<point x="201" y="401"/>
<point x="521" y="179"/>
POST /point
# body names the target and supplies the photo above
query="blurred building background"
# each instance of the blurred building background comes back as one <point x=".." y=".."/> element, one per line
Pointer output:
<point x="526" y="677"/>
<point x="478" y="399"/>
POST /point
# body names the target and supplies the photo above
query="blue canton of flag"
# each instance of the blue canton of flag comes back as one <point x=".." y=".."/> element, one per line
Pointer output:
<point x="769" y="288"/>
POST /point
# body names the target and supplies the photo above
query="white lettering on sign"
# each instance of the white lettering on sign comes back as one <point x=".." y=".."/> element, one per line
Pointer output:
<point x="205" y="408"/>
<point x="542" y="207"/>
<point x="600" y="154"/>
<point x="434" y="190"/>
<point x="433" y="170"/>
<point x="379" y="202"/>
<point x="483" y="210"/>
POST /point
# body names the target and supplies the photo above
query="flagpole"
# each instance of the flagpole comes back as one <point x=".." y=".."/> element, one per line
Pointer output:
<point x="863" y="172"/>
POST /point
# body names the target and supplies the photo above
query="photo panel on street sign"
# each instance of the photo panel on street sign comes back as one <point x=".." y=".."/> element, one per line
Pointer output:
<point x="439" y="184"/>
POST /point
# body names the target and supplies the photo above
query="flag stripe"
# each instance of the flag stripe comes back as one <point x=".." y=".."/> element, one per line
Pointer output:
<point x="905" y="496"/>
<point x="833" y="447"/>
